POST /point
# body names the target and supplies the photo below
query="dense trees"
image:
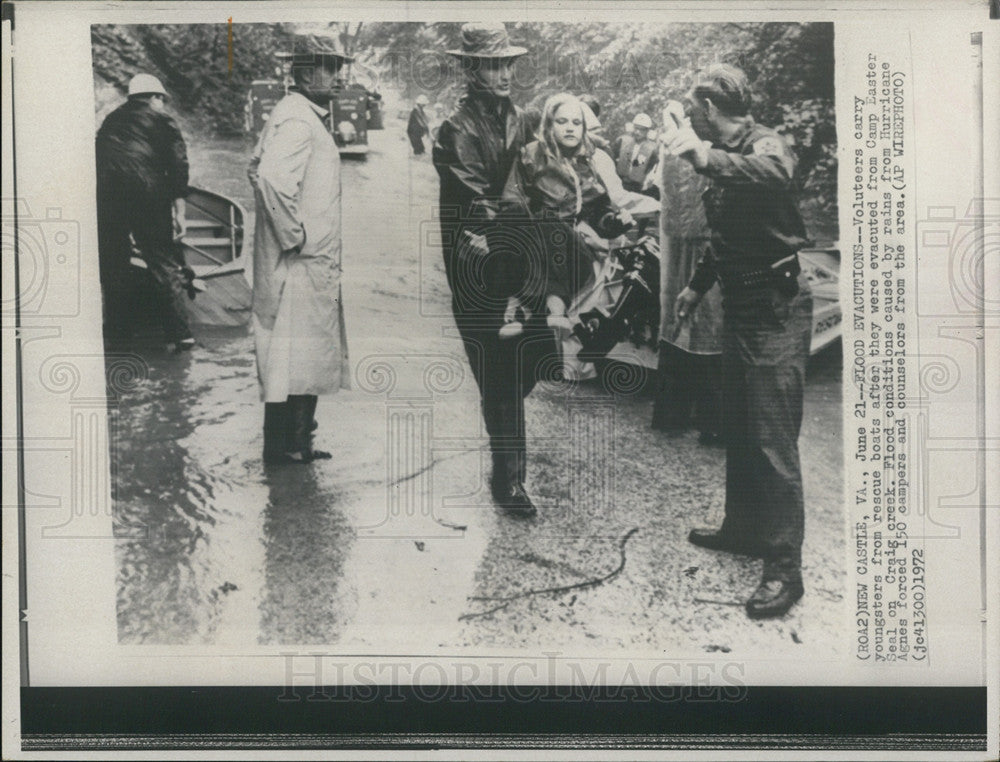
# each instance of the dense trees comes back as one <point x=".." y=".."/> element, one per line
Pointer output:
<point x="629" y="67"/>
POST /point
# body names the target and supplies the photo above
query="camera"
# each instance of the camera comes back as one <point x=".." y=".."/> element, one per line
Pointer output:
<point x="48" y="261"/>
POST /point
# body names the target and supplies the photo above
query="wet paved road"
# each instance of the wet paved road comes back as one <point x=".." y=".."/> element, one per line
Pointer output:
<point x="393" y="545"/>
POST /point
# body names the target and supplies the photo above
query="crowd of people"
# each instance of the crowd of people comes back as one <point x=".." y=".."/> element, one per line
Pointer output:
<point x="523" y="200"/>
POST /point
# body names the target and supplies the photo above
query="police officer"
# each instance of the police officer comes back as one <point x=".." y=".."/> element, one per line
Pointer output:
<point x="637" y="155"/>
<point x="473" y="154"/>
<point x="756" y="234"/>
<point x="142" y="177"/>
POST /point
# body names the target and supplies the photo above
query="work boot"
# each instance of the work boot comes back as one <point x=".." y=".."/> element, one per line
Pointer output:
<point x="507" y="486"/>
<point x="773" y="598"/>
<point x="514" y="500"/>
<point x="717" y="539"/>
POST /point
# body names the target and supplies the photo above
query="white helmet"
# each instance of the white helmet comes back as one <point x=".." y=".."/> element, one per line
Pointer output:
<point x="142" y="84"/>
<point x="422" y="100"/>
<point x="643" y="121"/>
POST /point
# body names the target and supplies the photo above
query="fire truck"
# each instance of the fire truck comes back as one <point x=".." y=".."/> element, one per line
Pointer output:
<point x="354" y="111"/>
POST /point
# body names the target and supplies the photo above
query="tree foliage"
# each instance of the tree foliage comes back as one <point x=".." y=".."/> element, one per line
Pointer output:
<point x="629" y="67"/>
<point x="633" y="67"/>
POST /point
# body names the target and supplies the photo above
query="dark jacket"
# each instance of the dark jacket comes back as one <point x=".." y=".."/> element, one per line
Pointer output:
<point x="144" y="149"/>
<point x="751" y="205"/>
<point x="543" y="188"/>
<point x="416" y="128"/>
<point x="473" y="154"/>
<point x="546" y="197"/>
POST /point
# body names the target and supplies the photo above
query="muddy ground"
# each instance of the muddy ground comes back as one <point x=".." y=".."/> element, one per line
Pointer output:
<point x="393" y="545"/>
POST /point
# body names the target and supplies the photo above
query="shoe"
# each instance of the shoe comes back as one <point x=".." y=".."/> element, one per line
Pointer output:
<point x="773" y="598"/>
<point x="511" y="329"/>
<point x="714" y="539"/>
<point x="515" y="501"/>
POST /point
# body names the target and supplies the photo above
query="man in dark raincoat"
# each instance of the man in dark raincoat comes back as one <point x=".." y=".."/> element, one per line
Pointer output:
<point x="142" y="178"/>
<point x="757" y="232"/>
<point x="475" y="149"/>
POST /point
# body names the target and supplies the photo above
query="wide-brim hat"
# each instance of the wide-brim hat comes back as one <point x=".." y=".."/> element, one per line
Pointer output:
<point x="312" y="48"/>
<point x="486" y="40"/>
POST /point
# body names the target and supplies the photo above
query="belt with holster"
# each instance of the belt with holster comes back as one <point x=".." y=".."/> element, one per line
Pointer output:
<point x="782" y="275"/>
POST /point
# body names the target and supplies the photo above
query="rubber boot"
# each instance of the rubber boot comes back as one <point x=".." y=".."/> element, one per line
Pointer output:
<point x="275" y="431"/>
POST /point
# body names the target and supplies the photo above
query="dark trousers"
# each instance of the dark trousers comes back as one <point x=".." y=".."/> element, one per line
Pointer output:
<point x="124" y="211"/>
<point x="689" y="383"/>
<point x="765" y="348"/>
<point x="288" y="426"/>
<point x="506" y="371"/>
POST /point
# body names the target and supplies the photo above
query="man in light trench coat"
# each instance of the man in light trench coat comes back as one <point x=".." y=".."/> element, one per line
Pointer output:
<point x="298" y="316"/>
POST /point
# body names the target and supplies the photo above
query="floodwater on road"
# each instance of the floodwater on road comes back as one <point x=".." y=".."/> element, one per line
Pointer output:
<point x="393" y="544"/>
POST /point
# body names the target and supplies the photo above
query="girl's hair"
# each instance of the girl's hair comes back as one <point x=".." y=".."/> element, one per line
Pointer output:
<point x="545" y="131"/>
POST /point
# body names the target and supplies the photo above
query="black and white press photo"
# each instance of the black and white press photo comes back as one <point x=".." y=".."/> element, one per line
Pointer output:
<point x="473" y="335"/>
<point x="441" y="377"/>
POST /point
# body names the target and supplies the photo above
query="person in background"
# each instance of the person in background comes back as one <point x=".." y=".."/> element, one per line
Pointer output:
<point x="595" y="132"/>
<point x="757" y="232"/>
<point x="298" y="315"/>
<point x="636" y="156"/>
<point x="142" y="178"/>
<point x="634" y="203"/>
<point x="417" y="128"/>
<point x="475" y="149"/>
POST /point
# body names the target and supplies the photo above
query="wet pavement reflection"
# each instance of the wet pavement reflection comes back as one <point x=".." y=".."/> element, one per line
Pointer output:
<point x="211" y="548"/>
<point x="393" y="545"/>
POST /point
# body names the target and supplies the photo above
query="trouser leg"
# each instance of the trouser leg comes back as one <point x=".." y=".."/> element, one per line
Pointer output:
<point x="154" y="238"/>
<point x="302" y="408"/>
<point x="741" y="489"/>
<point x="506" y="372"/>
<point x="707" y="387"/>
<point x="672" y="409"/>
<point x="171" y="294"/>
<point x="114" y="252"/>
<point x="764" y="377"/>
<point x="276" y="429"/>
<point x="775" y="403"/>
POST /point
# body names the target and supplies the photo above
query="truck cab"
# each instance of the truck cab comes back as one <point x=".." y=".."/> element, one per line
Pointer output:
<point x="354" y="111"/>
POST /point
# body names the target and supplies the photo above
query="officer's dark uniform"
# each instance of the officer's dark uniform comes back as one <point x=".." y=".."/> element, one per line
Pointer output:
<point x="756" y="232"/>
<point x="142" y="167"/>
<point x="473" y="154"/>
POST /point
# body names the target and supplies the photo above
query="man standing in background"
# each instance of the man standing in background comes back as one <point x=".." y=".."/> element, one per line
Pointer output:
<point x="142" y="178"/>
<point x="298" y="316"/>
<point x="417" y="127"/>
<point x="637" y="155"/>
<point x="757" y="232"/>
